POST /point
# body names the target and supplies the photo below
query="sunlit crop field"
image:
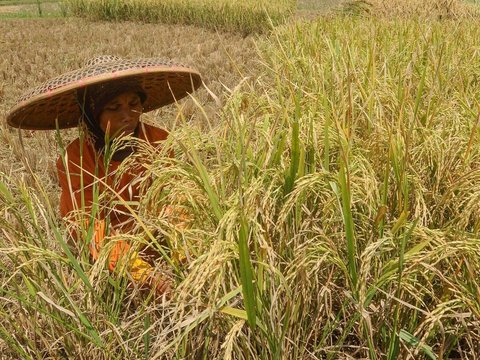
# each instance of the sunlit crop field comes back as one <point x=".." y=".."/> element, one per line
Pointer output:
<point x="31" y="8"/>
<point x="331" y="173"/>
<point x="440" y="9"/>
<point x="246" y="16"/>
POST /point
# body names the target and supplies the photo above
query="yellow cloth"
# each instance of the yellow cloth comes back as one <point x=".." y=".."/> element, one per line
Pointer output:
<point x="139" y="269"/>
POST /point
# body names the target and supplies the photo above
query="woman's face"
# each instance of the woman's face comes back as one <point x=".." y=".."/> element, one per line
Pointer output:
<point x="120" y="116"/>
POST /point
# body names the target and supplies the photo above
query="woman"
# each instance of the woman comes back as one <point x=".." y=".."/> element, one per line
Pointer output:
<point x="106" y="98"/>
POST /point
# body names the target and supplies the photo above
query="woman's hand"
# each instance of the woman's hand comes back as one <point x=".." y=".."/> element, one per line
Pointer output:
<point x="161" y="284"/>
<point x="145" y="275"/>
<point x="177" y="216"/>
<point x="139" y="271"/>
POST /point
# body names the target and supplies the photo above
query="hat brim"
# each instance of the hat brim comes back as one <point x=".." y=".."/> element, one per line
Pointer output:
<point x="58" y="108"/>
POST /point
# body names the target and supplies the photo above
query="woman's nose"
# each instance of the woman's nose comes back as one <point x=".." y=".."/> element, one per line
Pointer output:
<point x="128" y="114"/>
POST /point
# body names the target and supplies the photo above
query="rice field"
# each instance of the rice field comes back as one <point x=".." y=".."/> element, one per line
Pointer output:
<point x="245" y="16"/>
<point x="331" y="177"/>
<point x="31" y="9"/>
<point x="440" y="9"/>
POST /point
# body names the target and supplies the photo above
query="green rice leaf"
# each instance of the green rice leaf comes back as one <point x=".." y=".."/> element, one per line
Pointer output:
<point x="413" y="341"/>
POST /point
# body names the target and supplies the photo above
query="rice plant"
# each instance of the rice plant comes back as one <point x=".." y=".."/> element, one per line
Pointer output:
<point x="333" y="213"/>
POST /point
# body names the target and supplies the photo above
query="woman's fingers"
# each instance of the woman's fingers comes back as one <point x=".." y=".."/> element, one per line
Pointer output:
<point x="162" y="285"/>
<point x="177" y="216"/>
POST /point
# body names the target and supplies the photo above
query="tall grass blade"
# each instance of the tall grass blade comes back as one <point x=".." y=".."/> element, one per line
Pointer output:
<point x="345" y="195"/>
<point x="413" y="341"/>
<point x="246" y="273"/>
<point x="393" y="348"/>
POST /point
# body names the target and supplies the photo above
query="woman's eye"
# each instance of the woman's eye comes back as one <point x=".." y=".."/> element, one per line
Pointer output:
<point x="135" y="103"/>
<point x="112" y="107"/>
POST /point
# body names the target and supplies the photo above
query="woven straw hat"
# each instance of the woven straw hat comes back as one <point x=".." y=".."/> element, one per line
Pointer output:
<point x="55" y="102"/>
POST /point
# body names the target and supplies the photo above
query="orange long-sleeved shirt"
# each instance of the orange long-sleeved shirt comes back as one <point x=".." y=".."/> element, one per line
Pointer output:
<point x="85" y="170"/>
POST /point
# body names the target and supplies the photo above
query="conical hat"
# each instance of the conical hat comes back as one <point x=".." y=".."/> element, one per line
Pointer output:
<point x="55" y="103"/>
